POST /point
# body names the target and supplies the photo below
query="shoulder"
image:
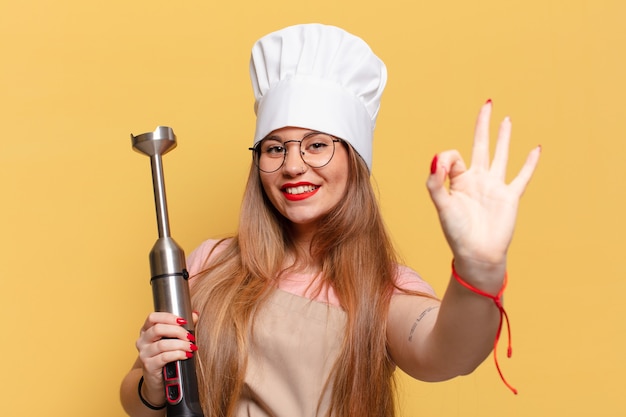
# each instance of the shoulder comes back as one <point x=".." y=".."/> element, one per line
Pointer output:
<point x="409" y="280"/>
<point x="200" y="258"/>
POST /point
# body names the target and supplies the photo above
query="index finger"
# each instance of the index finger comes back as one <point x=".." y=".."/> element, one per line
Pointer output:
<point x="160" y="317"/>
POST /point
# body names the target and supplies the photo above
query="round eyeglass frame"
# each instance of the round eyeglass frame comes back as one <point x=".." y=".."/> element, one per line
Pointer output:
<point x="256" y="152"/>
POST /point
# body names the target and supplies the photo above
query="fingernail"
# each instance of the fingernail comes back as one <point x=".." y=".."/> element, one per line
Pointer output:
<point x="181" y="321"/>
<point x="193" y="347"/>
<point x="191" y="337"/>
<point x="540" y="148"/>
<point x="488" y="101"/>
<point x="196" y="312"/>
<point x="433" y="165"/>
<point x="189" y="355"/>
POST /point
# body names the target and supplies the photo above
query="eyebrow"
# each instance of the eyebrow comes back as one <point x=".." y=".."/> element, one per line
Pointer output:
<point x="279" y="139"/>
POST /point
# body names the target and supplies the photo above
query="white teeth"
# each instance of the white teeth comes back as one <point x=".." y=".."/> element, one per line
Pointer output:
<point x="301" y="189"/>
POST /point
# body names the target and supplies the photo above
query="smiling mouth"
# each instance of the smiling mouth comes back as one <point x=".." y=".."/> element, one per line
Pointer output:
<point x="301" y="189"/>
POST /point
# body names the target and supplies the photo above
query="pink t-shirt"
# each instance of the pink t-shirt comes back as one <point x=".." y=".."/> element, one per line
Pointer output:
<point x="300" y="283"/>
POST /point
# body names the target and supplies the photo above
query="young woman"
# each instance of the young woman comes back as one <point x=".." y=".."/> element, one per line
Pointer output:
<point x="306" y="311"/>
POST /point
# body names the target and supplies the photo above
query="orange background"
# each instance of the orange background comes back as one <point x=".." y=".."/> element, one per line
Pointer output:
<point x="77" y="213"/>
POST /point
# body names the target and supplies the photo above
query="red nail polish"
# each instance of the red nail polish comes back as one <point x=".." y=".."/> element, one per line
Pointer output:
<point x="181" y="321"/>
<point x="433" y="165"/>
<point x="189" y="355"/>
<point x="488" y="101"/>
<point x="193" y="347"/>
<point x="191" y="337"/>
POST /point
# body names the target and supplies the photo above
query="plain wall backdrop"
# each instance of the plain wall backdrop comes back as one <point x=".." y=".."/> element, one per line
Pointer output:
<point x="77" y="215"/>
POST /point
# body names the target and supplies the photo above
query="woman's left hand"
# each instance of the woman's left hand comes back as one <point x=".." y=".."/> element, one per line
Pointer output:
<point x="478" y="210"/>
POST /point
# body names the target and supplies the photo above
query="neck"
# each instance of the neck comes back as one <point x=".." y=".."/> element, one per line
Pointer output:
<point x="302" y="236"/>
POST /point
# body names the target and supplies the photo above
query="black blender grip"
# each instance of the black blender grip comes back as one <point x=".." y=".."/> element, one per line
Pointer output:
<point x="181" y="389"/>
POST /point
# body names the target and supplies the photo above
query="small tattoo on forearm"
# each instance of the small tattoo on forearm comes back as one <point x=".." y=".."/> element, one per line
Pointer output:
<point x="419" y="318"/>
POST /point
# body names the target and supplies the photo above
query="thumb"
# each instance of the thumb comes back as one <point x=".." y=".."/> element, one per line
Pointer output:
<point x="448" y="164"/>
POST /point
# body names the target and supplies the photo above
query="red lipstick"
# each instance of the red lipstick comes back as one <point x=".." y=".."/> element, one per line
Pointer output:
<point x="300" y="196"/>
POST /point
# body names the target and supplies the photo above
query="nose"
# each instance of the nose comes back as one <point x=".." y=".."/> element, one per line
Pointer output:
<point x="294" y="164"/>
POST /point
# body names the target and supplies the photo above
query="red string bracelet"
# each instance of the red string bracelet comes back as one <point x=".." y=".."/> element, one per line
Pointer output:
<point x="497" y="299"/>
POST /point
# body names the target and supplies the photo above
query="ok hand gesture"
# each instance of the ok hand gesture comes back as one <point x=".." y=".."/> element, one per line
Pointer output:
<point x="478" y="210"/>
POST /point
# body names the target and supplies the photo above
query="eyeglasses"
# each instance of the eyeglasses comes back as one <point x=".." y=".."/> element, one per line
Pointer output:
<point x="316" y="150"/>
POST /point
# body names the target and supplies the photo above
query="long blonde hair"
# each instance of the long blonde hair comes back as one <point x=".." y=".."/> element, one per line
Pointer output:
<point x="357" y="259"/>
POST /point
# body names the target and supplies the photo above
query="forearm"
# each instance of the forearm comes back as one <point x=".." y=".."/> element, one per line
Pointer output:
<point x="437" y="340"/>
<point x="130" y="397"/>
<point x="467" y="322"/>
<point x="465" y="330"/>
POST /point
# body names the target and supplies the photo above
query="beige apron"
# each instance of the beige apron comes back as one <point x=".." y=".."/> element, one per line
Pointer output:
<point x="294" y="346"/>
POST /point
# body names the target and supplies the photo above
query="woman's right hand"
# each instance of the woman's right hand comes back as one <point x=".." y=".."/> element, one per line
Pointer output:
<point x="162" y="340"/>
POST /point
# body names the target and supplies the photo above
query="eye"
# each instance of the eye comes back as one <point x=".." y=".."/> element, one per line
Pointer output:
<point x="272" y="148"/>
<point x="317" y="143"/>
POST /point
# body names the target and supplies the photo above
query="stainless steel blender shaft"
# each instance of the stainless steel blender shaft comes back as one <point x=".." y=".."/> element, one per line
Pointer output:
<point x="155" y="145"/>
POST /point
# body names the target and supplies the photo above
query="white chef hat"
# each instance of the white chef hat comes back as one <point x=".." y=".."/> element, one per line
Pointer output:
<point x="317" y="77"/>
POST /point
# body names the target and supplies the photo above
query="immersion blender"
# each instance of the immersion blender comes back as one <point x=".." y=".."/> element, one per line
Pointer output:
<point x="170" y="289"/>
